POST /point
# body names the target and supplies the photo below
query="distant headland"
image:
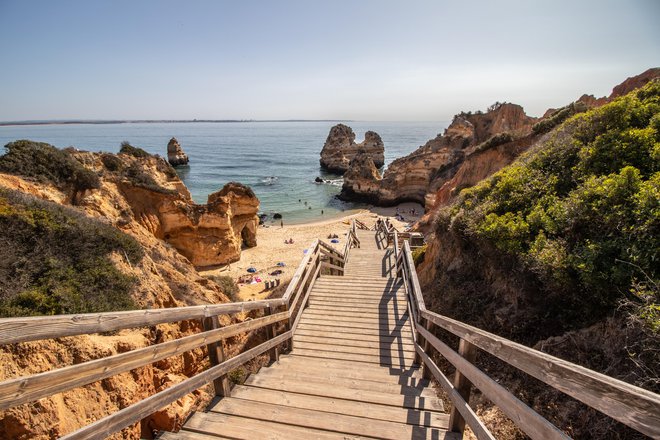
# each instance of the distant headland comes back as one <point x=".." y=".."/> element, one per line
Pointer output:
<point x="153" y="121"/>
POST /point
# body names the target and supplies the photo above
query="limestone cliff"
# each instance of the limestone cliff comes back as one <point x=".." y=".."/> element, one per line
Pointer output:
<point x="154" y="196"/>
<point x="419" y="175"/>
<point x="143" y="197"/>
<point x="340" y="148"/>
<point x="175" y="154"/>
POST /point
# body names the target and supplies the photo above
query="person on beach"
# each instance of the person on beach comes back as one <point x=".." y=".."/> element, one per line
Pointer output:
<point x="281" y="223"/>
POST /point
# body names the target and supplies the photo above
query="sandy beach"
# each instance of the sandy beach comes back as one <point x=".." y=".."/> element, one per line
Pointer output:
<point x="271" y="248"/>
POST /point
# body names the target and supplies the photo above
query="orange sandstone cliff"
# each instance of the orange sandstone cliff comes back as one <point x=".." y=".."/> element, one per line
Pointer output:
<point x="143" y="197"/>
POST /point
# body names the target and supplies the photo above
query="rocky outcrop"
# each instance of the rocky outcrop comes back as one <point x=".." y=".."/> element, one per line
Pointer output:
<point x="635" y="82"/>
<point x="214" y="233"/>
<point x="209" y="234"/>
<point x="340" y="148"/>
<point x="175" y="154"/>
<point x="419" y="175"/>
<point x="144" y="198"/>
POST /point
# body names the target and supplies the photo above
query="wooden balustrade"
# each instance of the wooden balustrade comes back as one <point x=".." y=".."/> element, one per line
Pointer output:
<point x="626" y="403"/>
<point x="26" y="389"/>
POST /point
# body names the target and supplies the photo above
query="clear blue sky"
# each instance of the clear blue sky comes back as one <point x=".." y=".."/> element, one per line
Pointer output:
<point x="368" y="60"/>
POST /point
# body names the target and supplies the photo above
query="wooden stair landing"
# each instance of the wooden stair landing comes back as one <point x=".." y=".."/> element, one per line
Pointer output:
<point x="351" y="373"/>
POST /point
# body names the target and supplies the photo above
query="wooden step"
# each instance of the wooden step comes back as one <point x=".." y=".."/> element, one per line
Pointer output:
<point x="345" y="369"/>
<point x="422" y="387"/>
<point x="341" y="301"/>
<point x="315" y="389"/>
<point x="368" y="411"/>
<point x="350" y="321"/>
<point x="246" y="428"/>
<point x="348" y="332"/>
<point x="380" y="354"/>
<point x="394" y="362"/>
<point x="188" y="435"/>
<point x="341" y="304"/>
<point x="380" y="315"/>
<point x="356" y="342"/>
<point x="333" y="422"/>
<point x="388" y="329"/>
<point x="353" y="337"/>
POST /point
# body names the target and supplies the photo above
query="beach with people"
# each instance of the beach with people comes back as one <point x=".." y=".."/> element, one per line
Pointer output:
<point x="287" y="245"/>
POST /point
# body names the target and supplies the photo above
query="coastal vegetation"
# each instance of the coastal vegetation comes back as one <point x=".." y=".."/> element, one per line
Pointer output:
<point x="56" y="260"/>
<point x="581" y="211"/>
<point x="560" y="251"/>
<point x="47" y="164"/>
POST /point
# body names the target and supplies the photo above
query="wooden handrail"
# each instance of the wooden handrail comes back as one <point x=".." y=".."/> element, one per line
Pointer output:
<point x="13" y="330"/>
<point x="626" y="403"/>
<point x="22" y="390"/>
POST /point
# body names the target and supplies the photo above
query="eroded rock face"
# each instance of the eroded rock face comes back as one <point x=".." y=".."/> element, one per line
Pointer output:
<point x="419" y="175"/>
<point x="214" y="233"/>
<point x="144" y="198"/>
<point x="340" y="148"/>
<point x="175" y="154"/>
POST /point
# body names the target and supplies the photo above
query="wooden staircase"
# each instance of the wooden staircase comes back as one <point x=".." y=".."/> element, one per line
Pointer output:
<point x="351" y="373"/>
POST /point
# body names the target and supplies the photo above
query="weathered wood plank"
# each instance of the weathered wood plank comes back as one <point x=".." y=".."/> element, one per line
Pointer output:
<point x="313" y="375"/>
<point x="327" y="265"/>
<point x="349" y="335"/>
<point x="523" y="416"/>
<point x="356" y="341"/>
<point x="458" y="403"/>
<point x="249" y="429"/>
<point x="631" y="405"/>
<point x="379" y="353"/>
<point x="398" y="400"/>
<point x="343" y="423"/>
<point x="369" y="411"/>
<point x="115" y="422"/>
<point x="293" y="284"/>
<point x="395" y="362"/>
<point x="461" y="383"/>
<point x="13" y="330"/>
<point x="21" y="390"/>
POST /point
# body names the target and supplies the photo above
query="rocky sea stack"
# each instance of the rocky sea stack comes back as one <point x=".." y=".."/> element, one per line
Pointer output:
<point x="175" y="154"/>
<point x="340" y="148"/>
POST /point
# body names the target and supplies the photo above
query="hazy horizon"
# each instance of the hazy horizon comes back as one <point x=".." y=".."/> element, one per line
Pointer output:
<point x="298" y="60"/>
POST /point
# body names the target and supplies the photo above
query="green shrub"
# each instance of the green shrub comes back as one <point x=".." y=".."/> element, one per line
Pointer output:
<point x="45" y="163"/>
<point x="138" y="177"/>
<point x="558" y="117"/>
<point x="494" y="141"/>
<point x="418" y="255"/>
<point x="111" y="162"/>
<point x="55" y="260"/>
<point x="570" y="209"/>
<point x="228" y="286"/>
<point x="127" y="148"/>
<point x="238" y="375"/>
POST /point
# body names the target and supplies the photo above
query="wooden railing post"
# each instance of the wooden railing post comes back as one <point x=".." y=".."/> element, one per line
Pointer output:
<point x="462" y="385"/>
<point x="271" y="332"/>
<point x="428" y="325"/>
<point x="217" y="356"/>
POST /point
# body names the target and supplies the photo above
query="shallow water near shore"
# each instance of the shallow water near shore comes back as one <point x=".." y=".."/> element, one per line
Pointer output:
<point x="279" y="160"/>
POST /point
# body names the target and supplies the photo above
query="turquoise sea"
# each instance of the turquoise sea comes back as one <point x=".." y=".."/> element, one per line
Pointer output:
<point x="279" y="160"/>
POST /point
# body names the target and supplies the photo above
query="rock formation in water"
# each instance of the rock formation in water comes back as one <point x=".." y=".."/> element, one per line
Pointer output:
<point x="417" y="176"/>
<point x="175" y="154"/>
<point x="340" y="148"/>
<point x="144" y="198"/>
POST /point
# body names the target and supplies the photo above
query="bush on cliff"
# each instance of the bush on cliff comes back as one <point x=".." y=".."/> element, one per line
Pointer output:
<point x="45" y="163"/>
<point x="581" y="213"/>
<point x="55" y="260"/>
<point x="129" y="149"/>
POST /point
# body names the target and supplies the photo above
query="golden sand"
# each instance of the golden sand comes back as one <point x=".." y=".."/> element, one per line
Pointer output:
<point x="271" y="248"/>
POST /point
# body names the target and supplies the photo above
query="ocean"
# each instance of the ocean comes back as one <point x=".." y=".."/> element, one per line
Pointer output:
<point x="278" y="160"/>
